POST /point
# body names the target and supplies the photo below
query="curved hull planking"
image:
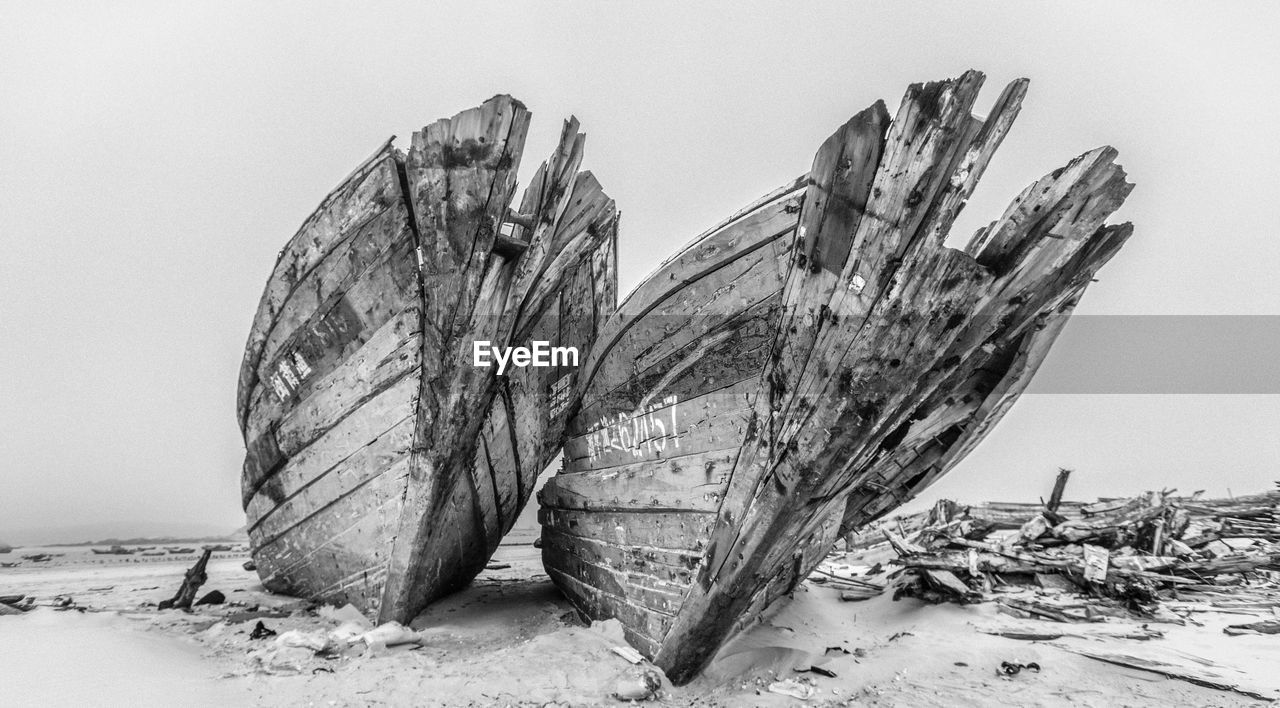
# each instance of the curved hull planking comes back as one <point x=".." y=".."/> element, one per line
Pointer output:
<point x="815" y="361"/>
<point x="364" y="418"/>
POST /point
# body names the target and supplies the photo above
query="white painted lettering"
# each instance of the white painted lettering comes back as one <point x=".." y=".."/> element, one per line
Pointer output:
<point x="502" y="356"/>
<point x="539" y="354"/>
<point x="479" y="349"/>
<point x="564" y="356"/>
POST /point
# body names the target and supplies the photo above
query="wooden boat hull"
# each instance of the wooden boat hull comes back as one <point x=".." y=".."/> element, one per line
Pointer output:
<point x="817" y="359"/>
<point x="382" y="466"/>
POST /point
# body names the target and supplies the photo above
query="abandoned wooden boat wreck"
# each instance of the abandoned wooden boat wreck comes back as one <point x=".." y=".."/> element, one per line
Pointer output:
<point x="819" y="357"/>
<point x="382" y="466"/>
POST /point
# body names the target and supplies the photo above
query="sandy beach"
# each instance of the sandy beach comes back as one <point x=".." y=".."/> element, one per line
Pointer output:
<point x="511" y="639"/>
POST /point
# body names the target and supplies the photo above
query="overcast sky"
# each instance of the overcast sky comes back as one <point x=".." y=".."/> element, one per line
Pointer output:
<point x="154" y="157"/>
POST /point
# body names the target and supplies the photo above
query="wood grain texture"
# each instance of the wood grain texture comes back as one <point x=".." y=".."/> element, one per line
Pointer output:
<point x="382" y="468"/>
<point x="874" y="360"/>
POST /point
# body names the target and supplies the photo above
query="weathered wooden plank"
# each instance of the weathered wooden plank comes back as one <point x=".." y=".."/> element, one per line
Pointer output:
<point x="367" y="249"/>
<point x="732" y="351"/>
<point x="333" y="334"/>
<point x="351" y="434"/>
<point x="840" y="184"/>
<point x="955" y="424"/>
<point x="703" y="289"/>
<point x="653" y="595"/>
<point x="927" y="133"/>
<point x="340" y="555"/>
<point x="484" y="481"/>
<point x="504" y="466"/>
<point x="305" y="489"/>
<point x="390" y="354"/>
<point x="593" y="602"/>
<point x="681" y="530"/>
<point x="717" y="247"/>
<point x="693" y="482"/>
<point x="717" y="420"/>
<point x="922" y="134"/>
<point x="673" y="567"/>
<point x="358" y="198"/>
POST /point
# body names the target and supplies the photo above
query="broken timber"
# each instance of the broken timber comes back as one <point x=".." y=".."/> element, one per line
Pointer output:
<point x="191" y="582"/>
<point x="820" y="357"/>
<point x="382" y="466"/>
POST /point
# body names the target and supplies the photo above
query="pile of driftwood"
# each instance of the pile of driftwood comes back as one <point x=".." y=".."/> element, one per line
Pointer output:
<point x="1136" y="556"/>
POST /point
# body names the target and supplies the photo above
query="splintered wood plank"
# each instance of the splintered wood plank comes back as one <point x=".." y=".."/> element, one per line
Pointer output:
<point x="840" y="186"/>
<point x="969" y="405"/>
<point x="604" y="280"/>
<point x="460" y="174"/>
<point x="924" y="132"/>
<point x="935" y="295"/>
<point x="505" y="299"/>
<point x="890" y="356"/>
<point x="587" y="214"/>
<point x="967" y="412"/>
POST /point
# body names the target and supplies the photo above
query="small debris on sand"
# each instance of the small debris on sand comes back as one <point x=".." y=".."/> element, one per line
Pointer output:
<point x="637" y="685"/>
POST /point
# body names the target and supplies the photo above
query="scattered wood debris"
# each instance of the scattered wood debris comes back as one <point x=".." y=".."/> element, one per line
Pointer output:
<point x="1131" y="557"/>
<point x="1156" y="558"/>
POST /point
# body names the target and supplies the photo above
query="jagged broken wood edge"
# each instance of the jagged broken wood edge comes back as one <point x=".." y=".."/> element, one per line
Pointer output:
<point x="899" y="261"/>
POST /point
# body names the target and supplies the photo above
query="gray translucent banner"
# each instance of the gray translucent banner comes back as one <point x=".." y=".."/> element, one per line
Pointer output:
<point x="1213" y="354"/>
<point x="1099" y="354"/>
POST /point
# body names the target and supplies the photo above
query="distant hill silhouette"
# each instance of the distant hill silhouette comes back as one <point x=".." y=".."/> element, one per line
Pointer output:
<point x="123" y="533"/>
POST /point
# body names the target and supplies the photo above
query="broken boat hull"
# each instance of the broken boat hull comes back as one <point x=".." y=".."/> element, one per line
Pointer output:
<point x="382" y="467"/>
<point x="821" y="357"/>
